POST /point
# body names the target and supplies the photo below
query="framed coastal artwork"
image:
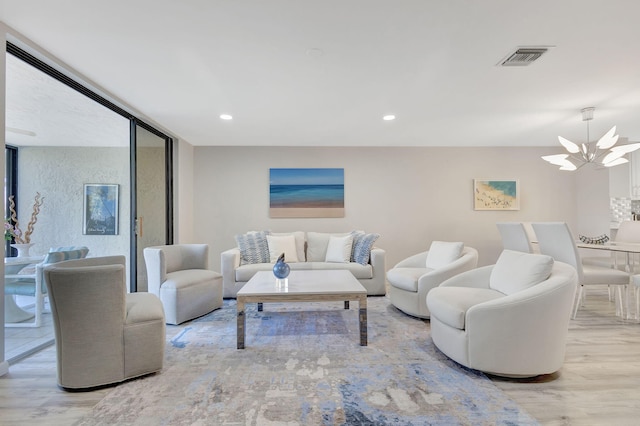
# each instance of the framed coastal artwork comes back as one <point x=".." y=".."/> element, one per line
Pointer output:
<point x="494" y="194"/>
<point x="100" y="209"/>
<point x="306" y="193"/>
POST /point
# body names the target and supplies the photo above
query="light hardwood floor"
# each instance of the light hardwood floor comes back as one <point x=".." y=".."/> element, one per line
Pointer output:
<point x="599" y="383"/>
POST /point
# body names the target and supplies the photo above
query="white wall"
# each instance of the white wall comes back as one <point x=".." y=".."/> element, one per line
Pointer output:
<point x="410" y="196"/>
<point x="59" y="174"/>
<point x="183" y="194"/>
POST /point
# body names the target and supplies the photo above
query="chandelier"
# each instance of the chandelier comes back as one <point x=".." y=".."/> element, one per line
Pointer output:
<point x="603" y="152"/>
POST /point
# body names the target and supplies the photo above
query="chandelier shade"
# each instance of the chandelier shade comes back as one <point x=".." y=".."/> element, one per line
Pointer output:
<point x="604" y="152"/>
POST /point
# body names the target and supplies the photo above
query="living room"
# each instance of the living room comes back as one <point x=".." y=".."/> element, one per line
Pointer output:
<point x="409" y="191"/>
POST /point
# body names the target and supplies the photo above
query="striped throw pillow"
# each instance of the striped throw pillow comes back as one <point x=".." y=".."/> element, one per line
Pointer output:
<point x="253" y="247"/>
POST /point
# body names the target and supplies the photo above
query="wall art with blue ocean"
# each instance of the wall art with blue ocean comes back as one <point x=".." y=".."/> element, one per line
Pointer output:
<point x="306" y="192"/>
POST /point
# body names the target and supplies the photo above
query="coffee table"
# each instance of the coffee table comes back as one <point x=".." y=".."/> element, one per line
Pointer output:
<point x="302" y="286"/>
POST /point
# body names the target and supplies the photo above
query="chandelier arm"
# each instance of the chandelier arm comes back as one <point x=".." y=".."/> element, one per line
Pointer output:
<point x="579" y="159"/>
<point x="581" y="165"/>
<point x="605" y="153"/>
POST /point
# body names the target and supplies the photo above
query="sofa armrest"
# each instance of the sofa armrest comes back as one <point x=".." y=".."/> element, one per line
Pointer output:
<point x="377" y="260"/>
<point x="229" y="261"/>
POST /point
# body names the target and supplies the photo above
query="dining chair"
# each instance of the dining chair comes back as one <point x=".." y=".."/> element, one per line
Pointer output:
<point x="32" y="284"/>
<point x="555" y="240"/>
<point x="628" y="232"/>
<point x="636" y="291"/>
<point x="514" y="237"/>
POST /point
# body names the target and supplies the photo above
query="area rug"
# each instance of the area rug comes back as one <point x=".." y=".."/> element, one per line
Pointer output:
<point x="303" y="365"/>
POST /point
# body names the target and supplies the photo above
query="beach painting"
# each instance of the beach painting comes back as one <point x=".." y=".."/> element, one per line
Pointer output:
<point x="306" y="192"/>
<point x="493" y="194"/>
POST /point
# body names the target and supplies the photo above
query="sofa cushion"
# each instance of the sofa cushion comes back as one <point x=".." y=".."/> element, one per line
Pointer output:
<point x="450" y="304"/>
<point x="299" y="237"/>
<point x="187" y="278"/>
<point x="362" y="245"/>
<point x="282" y="244"/>
<point x="253" y="247"/>
<point x="515" y="271"/>
<point x="357" y="270"/>
<point x="339" y="249"/>
<point x="442" y="253"/>
<point x="317" y="243"/>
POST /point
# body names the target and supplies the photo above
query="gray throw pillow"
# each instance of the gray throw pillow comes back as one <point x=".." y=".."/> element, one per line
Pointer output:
<point x="254" y="247"/>
<point x="362" y="245"/>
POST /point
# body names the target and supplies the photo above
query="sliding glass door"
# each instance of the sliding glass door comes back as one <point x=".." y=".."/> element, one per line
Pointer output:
<point x="153" y="213"/>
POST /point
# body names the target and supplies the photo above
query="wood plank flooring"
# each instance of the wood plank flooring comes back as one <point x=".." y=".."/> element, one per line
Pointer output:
<point x="599" y="383"/>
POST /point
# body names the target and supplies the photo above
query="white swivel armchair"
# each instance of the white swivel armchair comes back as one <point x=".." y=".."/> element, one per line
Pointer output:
<point x="412" y="278"/>
<point x="179" y="275"/>
<point x="509" y="319"/>
<point x="103" y="334"/>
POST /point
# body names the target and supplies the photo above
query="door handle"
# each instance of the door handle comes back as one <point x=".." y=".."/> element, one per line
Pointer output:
<point x="139" y="226"/>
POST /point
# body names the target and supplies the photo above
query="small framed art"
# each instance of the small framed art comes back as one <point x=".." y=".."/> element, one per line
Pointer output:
<point x="100" y="209"/>
<point x="495" y="194"/>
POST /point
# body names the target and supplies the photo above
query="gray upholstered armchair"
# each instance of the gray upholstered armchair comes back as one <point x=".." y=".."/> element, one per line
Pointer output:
<point x="103" y="334"/>
<point x="179" y="275"/>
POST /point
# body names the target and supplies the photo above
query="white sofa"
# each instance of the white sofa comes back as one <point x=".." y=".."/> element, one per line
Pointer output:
<point x="412" y="278"/>
<point x="509" y="319"/>
<point x="310" y="253"/>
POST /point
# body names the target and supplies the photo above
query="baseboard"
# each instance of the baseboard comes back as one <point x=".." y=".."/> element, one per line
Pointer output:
<point x="4" y="368"/>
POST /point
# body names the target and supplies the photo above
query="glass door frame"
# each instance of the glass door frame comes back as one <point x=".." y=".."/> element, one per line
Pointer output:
<point x="134" y="121"/>
<point x="168" y="149"/>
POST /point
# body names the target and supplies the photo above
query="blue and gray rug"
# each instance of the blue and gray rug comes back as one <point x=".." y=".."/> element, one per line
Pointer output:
<point x="303" y="365"/>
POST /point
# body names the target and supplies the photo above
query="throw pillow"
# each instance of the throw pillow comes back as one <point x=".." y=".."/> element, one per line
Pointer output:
<point x="362" y="245"/>
<point x="442" y="253"/>
<point x="317" y="243"/>
<point x="282" y="244"/>
<point x="339" y="249"/>
<point x="515" y="271"/>
<point x="253" y="247"/>
<point x="299" y="237"/>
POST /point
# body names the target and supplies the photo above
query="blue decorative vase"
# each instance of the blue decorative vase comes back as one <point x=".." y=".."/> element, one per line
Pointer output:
<point x="281" y="269"/>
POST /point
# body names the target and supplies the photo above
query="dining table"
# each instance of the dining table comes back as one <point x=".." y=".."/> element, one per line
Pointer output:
<point x="14" y="268"/>
<point x="629" y="249"/>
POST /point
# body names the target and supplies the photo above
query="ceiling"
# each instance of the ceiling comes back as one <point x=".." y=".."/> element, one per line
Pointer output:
<point x="324" y="72"/>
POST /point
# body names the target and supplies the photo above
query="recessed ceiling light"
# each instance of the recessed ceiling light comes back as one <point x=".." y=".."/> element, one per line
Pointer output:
<point x="389" y="117"/>
<point x="226" y="117"/>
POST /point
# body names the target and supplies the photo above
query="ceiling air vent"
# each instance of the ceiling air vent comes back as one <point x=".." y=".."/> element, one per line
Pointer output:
<point x="523" y="56"/>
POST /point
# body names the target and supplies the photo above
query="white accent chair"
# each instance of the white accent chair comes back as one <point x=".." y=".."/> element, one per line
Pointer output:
<point x="555" y="239"/>
<point x="103" y="335"/>
<point x="179" y="275"/>
<point x="509" y="319"/>
<point x="32" y="284"/>
<point x="514" y="237"/>
<point x="412" y="278"/>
